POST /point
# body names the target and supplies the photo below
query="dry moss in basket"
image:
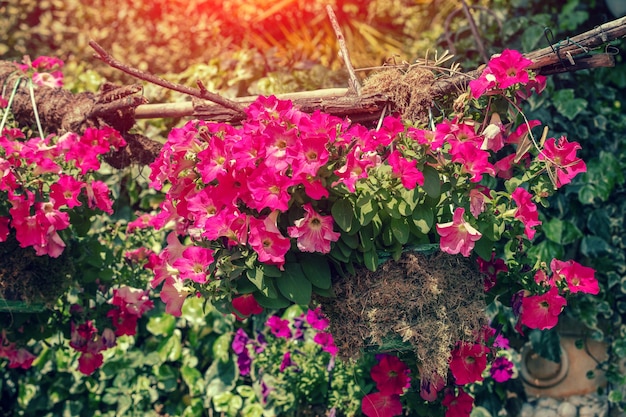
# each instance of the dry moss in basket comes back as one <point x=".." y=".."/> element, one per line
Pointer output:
<point x="410" y="91"/>
<point x="426" y="302"/>
<point x="24" y="276"/>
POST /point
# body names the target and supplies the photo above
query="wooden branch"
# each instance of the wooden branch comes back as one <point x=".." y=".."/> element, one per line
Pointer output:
<point x="153" y="79"/>
<point x="579" y="44"/>
<point x="355" y="86"/>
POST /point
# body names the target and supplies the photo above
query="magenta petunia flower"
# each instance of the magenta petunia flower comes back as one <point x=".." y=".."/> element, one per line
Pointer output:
<point x="313" y="232"/>
<point x="193" y="264"/>
<point x="391" y="375"/>
<point x="501" y="369"/>
<point x="245" y="306"/>
<point x="406" y="170"/>
<point x="542" y="311"/>
<point x="468" y="362"/>
<point x="526" y="211"/>
<point x="562" y="155"/>
<point x="378" y="404"/>
<point x="279" y="327"/>
<point x="459" y="405"/>
<point x="579" y="278"/>
<point x="458" y="236"/>
<point x="267" y="241"/>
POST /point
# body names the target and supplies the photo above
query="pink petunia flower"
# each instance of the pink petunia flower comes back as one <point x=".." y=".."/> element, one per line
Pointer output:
<point x="562" y="155"/>
<point x="267" y="241"/>
<point x="65" y="191"/>
<point x="542" y="311"/>
<point x="313" y="232"/>
<point x="391" y="375"/>
<point x="194" y="263"/>
<point x="378" y="404"/>
<point x="406" y="170"/>
<point x="457" y="236"/>
<point x="526" y="211"/>
<point x="327" y="342"/>
<point x="245" y="305"/>
<point x="173" y="294"/>
<point x="316" y="319"/>
<point x="459" y="405"/>
<point x="468" y="362"/>
<point x="501" y="369"/>
<point x="579" y="278"/>
<point x="279" y="327"/>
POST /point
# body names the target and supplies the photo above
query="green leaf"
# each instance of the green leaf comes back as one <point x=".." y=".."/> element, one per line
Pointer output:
<point x="547" y="344"/>
<point x="294" y="285"/>
<point x="264" y="284"/>
<point x="343" y="214"/>
<point x="170" y="349"/>
<point x="432" y="182"/>
<point x="221" y="347"/>
<point x="561" y="232"/>
<point x="484" y="248"/>
<point x="400" y="229"/>
<point x="366" y="209"/>
<point x="594" y="246"/>
<point x="366" y="238"/>
<point x="272" y="303"/>
<point x="370" y="259"/>
<point x="220" y="377"/>
<point x="167" y="377"/>
<point x="193" y="378"/>
<point x="423" y="218"/>
<point x="567" y="105"/>
<point x="316" y="270"/>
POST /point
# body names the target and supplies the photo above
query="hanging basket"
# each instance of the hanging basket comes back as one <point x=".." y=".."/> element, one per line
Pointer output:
<point x="29" y="283"/>
<point x="423" y="303"/>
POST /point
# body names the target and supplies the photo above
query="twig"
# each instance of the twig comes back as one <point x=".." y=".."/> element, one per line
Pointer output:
<point x="354" y="81"/>
<point x="200" y="93"/>
<point x="475" y="33"/>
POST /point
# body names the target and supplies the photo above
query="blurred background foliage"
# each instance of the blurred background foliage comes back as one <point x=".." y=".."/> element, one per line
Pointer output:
<point x="240" y="48"/>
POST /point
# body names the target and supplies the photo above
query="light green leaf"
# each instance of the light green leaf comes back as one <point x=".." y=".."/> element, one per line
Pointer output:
<point x="401" y="229"/>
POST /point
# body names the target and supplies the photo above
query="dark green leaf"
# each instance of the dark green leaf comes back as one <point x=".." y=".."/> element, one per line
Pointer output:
<point x="547" y="344"/>
<point x="343" y="214"/>
<point x="294" y="285"/>
<point x="432" y="182"/>
<point x="400" y="229"/>
<point x="316" y="270"/>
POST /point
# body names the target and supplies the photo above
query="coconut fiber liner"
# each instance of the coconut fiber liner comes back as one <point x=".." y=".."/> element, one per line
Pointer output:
<point x="423" y="303"/>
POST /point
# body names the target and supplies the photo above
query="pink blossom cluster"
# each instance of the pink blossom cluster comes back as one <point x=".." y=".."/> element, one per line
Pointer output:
<point x="542" y="311"/>
<point x="129" y="304"/>
<point x="45" y="70"/>
<point x="392" y="378"/>
<point x="311" y="325"/>
<point x="39" y="178"/>
<point x="18" y="357"/>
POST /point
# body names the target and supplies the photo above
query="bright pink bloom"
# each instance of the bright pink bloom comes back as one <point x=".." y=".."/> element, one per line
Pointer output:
<point x="526" y="211"/>
<point x="213" y="161"/>
<point x="406" y="170"/>
<point x="313" y="232"/>
<point x="457" y="236"/>
<point x="316" y="319"/>
<point x="49" y="79"/>
<point x="124" y="322"/>
<point x="579" y="278"/>
<point x="459" y="405"/>
<point x="245" y="306"/>
<point x="468" y="362"/>
<point x="474" y="160"/>
<point x="562" y="155"/>
<point x="355" y="168"/>
<point x="194" y="263"/>
<point x="133" y="300"/>
<point x="173" y="294"/>
<point x="98" y="196"/>
<point x="279" y="327"/>
<point x="89" y="361"/>
<point x="478" y="196"/>
<point x="65" y="191"/>
<point x="391" y="375"/>
<point x="426" y="137"/>
<point x="286" y="362"/>
<point x="327" y="342"/>
<point x="269" y="189"/>
<point x="267" y="241"/>
<point x="4" y="228"/>
<point x="509" y="68"/>
<point x="20" y="358"/>
<point x="491" y="269"/>
<point x="313" y="155"/>
<point x="501" y="369"/>
<point x="430" y="387"/>
<point x="542" y="311"/>
<point x="378" y="404"/>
